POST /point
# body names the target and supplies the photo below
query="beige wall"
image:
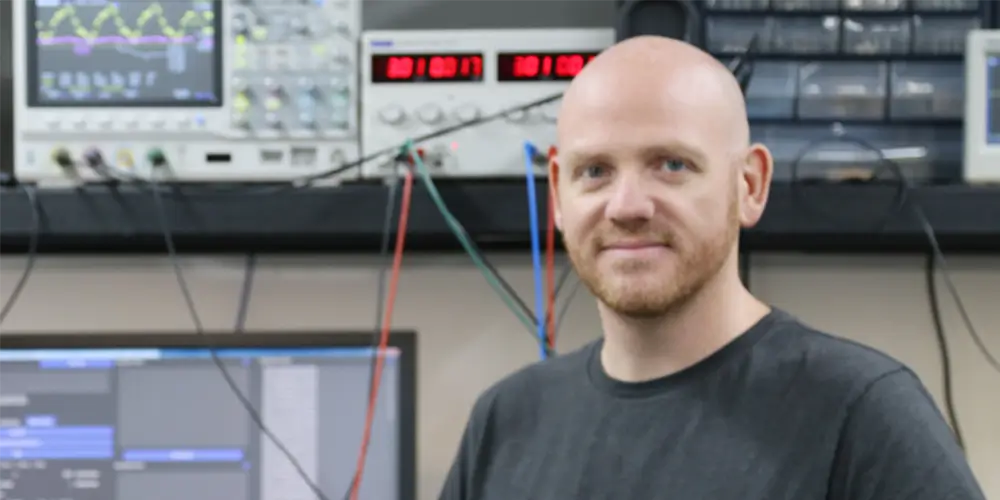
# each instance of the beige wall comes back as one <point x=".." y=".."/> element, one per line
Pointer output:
<point x="468" y="340"/>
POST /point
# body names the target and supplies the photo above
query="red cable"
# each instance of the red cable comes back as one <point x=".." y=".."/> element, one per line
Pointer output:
<point x="550" y="274"/>
<point x="550" y="261"/>
<point x="390" y="303"/>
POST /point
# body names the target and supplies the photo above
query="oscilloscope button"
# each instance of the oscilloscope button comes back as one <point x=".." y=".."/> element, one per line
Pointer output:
<point x="299" y="26"/>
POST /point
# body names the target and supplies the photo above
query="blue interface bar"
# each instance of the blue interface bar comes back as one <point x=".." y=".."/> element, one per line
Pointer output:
<point x="56" y="443"/>
<point x="103" y="358"/>
<point x="200" y="455"/>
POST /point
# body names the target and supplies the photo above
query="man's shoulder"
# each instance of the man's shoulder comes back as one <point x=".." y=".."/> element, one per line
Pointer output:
<point x="819" y="358"/>
<point x="527" y="386"/>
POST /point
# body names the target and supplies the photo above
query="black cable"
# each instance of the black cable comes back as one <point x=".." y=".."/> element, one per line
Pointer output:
<point x="942" y="264"/>
<point x="564" y="309"/>
<point x="200" y="330"/>
<point x="307" y="180"/>
<point x="899" y="200"/>
<point x="29" y="264"/>
<point x="246" y="293"/>
<point x="563" y="278"/>
<point x="942" y="341"/>
<point x="902" y="199"/>
<point x="385" y="265"/>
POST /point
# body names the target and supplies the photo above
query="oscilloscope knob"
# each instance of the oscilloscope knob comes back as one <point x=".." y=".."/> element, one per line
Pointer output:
<point x="273" y="87"/>
<point x="240" y="25"/>
<point x="299" y="26"/>
<point x="273" y="120"/>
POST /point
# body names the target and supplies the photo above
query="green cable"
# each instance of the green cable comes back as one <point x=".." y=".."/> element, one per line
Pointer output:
<point x="463" y="238"/>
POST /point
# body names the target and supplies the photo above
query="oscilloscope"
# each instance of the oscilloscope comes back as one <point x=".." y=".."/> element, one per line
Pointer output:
<point x="194" y="90"/>
<point x="416" y="82"/>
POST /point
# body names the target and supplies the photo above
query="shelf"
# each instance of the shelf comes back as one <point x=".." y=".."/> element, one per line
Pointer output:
<point x="820" y="218"/>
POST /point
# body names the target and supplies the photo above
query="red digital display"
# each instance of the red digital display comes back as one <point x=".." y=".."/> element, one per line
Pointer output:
<point x="427" y="68"/>
<point x="541" y="66"/>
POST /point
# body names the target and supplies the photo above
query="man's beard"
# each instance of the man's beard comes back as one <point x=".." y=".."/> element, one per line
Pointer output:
<point x="640" y="290"/>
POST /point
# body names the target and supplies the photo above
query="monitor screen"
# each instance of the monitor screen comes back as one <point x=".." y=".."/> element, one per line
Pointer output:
<point x="136" y="417"/>
<point x="85" y="53"/>
<point x="993" y="99"/>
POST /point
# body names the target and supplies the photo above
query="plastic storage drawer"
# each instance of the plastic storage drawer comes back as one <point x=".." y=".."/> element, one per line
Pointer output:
<point x="805" y="5"/>
<point x="922" y="152"/>
<point x="926" y="90"/>
<point x="738" y="4"/>
<point x="941" y="35"/>
<point x="947" y="5"/>
<point x="876" y="35"/>
<point x="874" y="5"/>
<point x="806" y="35"/>
<point x="731" y="35"/>
<point x="771" y="94"/>
<point x="842" y="90"/>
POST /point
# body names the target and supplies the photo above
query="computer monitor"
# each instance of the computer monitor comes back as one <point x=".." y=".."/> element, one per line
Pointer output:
<point x="150" y="417"/>
<point x="982" y="107"/>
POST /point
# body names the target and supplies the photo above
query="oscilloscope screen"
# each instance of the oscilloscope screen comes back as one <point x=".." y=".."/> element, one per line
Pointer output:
<point x="993" y="99"/>
<point x="85" y="53"/>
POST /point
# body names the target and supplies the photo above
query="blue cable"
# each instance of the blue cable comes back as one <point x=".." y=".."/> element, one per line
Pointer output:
<point x="536" y="246"/>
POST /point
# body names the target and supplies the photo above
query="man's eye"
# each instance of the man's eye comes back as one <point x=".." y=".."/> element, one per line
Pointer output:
<point x="594" y="171"/>
<point x="674" y="165"/>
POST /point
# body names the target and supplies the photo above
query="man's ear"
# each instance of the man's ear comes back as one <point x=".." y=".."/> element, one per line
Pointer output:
<point x="755" y="184"/>
<point x="554" y="188"/>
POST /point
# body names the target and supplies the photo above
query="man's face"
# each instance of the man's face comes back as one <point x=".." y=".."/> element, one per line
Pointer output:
<point x="648" y="201"/>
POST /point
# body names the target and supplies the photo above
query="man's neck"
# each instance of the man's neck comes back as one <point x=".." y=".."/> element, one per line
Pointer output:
<point x="636" y="350"/>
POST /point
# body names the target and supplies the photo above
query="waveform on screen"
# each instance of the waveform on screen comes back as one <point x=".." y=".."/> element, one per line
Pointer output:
<point x="82" y="46"/>
<point x="150" y="18"/>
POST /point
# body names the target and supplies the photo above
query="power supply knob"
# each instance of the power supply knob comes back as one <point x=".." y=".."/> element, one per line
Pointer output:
<point x="518" y="116"/>
<point x="467" y="113"/>
<point x="393" y="115"/>
<point x="550" y="113"/>
<point x="430" y="114"/>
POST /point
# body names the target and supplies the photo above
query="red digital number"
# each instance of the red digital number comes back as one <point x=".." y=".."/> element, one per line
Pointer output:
<point x="526" y="66"/>
<point x="443" y="67"/>
<point x="471" y="66"/>
<point x="399" y="68"/>
<point x="569" y="65"/>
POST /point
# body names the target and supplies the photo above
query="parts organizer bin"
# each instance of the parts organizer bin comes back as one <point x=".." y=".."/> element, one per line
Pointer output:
<point x="890" y="69"/>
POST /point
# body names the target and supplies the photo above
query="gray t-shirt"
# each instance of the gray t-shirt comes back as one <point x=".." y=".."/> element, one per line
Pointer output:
<point x="782" y="412"/>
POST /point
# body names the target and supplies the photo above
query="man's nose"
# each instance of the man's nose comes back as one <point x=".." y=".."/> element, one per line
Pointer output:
<point x="630" y="201"/>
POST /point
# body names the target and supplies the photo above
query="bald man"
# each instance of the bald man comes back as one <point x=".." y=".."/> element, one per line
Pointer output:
<point x="697" y="390"/>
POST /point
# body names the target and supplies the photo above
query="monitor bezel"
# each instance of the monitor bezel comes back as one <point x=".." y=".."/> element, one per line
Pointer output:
<point x="980" y="156"/>
<point x="404" y="340"/>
